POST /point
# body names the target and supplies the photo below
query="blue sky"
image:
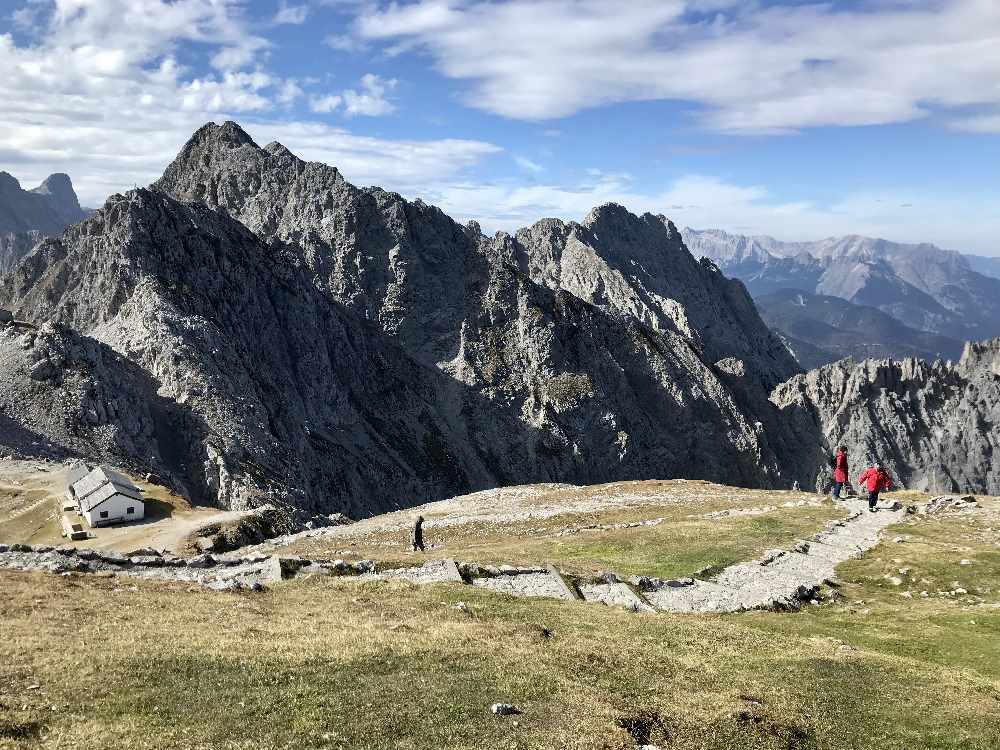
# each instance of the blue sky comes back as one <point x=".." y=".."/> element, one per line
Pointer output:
<point x="796" y="119"/>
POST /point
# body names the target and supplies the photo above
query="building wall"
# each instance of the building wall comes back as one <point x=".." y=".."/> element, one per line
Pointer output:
<point x="116" y="507"/>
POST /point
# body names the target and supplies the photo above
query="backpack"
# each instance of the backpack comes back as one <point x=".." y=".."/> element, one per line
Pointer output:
<point x="832" y="460"/>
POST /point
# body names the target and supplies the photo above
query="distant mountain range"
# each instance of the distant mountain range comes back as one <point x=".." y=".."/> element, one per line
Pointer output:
<point x="26" y="216"/>
<point x="926" y="289"/>
<point x="985" y="265"/>
<point x="821" y="329"/>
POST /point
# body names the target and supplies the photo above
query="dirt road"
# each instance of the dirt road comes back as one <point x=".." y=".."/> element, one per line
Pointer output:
<point x="31" y="494"/>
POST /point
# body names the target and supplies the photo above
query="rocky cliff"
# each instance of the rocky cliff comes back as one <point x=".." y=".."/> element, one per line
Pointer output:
<point x="340" y="348"/>
<point x="28" y="215"/>
<point x="934" y="425"/>
<point x="14" y="246"/>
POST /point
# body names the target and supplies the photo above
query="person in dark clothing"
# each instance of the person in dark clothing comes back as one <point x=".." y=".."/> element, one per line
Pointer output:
<point x="418" y="534"/>
<point x="839" y="472"/>
<point x="875" y="479"/>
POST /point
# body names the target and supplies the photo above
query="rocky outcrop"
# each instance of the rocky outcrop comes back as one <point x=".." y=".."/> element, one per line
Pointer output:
<point x="27" y="216"/>
<point x="14" y="246"/>
<point x="62" y="394"/>
<point x="639" y="267"/>
<point x="934" y="425"/>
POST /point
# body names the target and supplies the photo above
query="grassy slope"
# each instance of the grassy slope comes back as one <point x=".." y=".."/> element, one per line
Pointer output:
<point x="684" y="542"/>
<point x="328" y="663"/>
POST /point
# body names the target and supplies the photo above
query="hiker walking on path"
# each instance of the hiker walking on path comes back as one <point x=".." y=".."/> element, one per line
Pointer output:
<point x="875" y="479"/>
<point x="418" y="534"/>
<point x="839" y="472"/>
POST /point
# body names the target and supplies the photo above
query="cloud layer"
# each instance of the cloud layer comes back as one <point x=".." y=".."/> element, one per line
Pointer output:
<point x="743" y="66"/>
<point x="114" y="113"/>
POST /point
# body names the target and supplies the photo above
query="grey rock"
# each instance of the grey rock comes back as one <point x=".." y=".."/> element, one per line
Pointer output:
<point x="315" y="570"/>
<point x="224" y="585"/>
<point x="504" y="709"/>
<point x="144" y="552"/>
<point x="929" y="423"/>
<point x="27" y="216"/>
<point x="206" y="543"/>
<point x="150" y="561"/>
<point x="112" y="557"/>
<point x="201" y="561"/>
<point x="458" y="362"/>
<point x="48" y="208"/>
<point x="42" y="370"/>
<point x="6" y="316"/>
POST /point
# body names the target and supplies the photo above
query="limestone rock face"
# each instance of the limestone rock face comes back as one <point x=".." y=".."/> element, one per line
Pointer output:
<point x="14" y="246"/>
<point x="63" y="394"/>
<point x="640" y="267"/>
<point x="934" y="425"/>
<point x="343" y="349"/>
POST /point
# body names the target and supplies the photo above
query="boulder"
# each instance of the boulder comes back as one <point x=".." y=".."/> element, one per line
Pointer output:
<point x="145" y="552"/>
<point x="201" y="561"/>
<point x="206" y="543"/>
<point x="504" y="709"/>
<point x="149" y="561"/>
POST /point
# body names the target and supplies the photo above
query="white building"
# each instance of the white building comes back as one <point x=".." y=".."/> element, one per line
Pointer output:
<point x="105" y="497"/>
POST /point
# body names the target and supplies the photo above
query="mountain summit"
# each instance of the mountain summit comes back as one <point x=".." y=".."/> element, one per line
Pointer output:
<point x="28" y="215"/>
<point x="308" y="342"/>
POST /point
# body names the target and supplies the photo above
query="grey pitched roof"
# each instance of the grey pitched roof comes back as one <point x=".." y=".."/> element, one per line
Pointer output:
<point x="77" y="472"/>
<point x="98" y="482"/>
<point x="102" y="493"/>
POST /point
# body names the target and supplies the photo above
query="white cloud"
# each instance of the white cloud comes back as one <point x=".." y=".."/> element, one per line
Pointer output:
<point x="369" y="99"/>
<point x="963" y="222"/>
<point x="528" y="165"/>
<point x="289" y="91"/>
<point x="978" y="124"/>
<point x="324" y="104"/>
<point x="114" y="114"/>
<point x="291" y="14"/>
<point x="747" y="67"/>
<point x="344" y="43"/>
<point x="401" y="165"/>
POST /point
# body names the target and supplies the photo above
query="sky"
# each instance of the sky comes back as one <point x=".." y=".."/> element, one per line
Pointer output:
<point x="791" y="118"/>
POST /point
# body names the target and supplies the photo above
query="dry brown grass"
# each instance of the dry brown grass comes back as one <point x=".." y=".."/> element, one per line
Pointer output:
<point x="683" y="542"/>
<point x="328" y="663"/>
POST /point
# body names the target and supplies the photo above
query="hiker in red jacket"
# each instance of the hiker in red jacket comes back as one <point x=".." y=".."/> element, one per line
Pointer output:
<point x="875" y="479"/>
<point x="839" y="472"/>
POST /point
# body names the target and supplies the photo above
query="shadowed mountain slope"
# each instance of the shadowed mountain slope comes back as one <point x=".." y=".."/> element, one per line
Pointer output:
<point x="339" y="348"/>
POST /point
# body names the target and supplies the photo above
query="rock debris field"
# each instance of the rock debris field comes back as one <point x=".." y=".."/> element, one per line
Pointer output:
<point x="781" y="579"/>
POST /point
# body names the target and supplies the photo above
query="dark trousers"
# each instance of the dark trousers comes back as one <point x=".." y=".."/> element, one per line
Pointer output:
<point x="837" y="487"/>
<point x="873" y="499"/>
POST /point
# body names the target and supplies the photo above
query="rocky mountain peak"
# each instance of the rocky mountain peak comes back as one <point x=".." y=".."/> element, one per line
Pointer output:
<point x="8" y="183"/>
<point x="58" y="188"/>
<point x="48" y="208"/>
